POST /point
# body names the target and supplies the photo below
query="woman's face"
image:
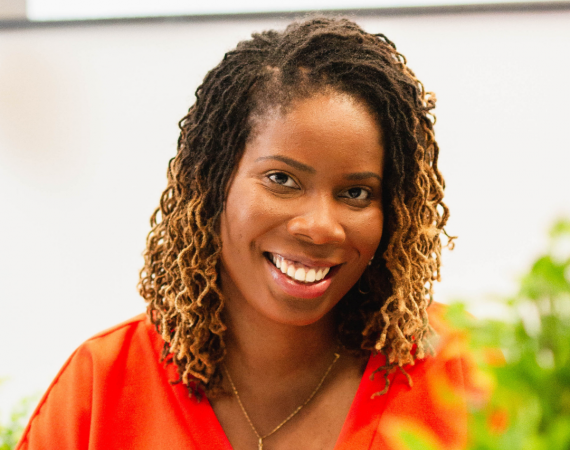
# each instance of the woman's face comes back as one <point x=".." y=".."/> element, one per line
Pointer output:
<point x="303" y="213"/>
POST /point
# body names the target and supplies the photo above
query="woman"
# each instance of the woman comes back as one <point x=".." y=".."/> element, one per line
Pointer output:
<point x="289" y="269"/>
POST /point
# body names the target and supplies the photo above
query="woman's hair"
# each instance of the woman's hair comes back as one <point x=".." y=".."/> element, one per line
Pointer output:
<point x="386" y="311"/>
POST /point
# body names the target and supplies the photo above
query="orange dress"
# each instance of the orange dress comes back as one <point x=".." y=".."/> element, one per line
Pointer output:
<point x="113" y="393"/>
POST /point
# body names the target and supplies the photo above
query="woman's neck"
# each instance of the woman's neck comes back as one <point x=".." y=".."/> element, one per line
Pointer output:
<point x="258" y="345"/>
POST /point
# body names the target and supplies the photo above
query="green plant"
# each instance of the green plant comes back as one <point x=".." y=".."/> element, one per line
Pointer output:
<point x="529" y="405"/>
<point x="11" y="431"/>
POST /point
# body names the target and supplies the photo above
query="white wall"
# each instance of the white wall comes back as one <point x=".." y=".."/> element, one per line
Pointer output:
<point x="88" y="121"/>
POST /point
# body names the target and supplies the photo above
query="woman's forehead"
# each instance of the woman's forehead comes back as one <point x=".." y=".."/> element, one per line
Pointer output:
<point x="294" y="109"/>
<point x="325" y="130"/>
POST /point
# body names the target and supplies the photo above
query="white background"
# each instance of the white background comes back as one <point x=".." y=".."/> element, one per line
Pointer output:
<point x="88" y="121"/>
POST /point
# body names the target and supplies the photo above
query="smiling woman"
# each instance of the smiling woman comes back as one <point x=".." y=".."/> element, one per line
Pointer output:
<point x="289" y="268"/>
<point x="303" y="199"/>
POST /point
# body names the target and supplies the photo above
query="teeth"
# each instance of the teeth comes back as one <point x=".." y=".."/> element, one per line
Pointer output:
<point x="291" y="271"/>
<point x="302" y="273"/>
<point x="311" y="276"/>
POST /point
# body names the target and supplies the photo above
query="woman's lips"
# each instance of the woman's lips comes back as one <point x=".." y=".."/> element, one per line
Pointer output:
<point x="302" y="289"/>
<point x="297" y="270"/>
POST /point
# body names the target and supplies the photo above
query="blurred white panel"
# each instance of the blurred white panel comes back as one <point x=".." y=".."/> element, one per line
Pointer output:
<point x="97" y="9"/>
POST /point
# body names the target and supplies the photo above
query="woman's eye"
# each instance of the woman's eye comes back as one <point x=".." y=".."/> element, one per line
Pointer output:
<point x="283" y="179"/>
<point x="357" y="194"/>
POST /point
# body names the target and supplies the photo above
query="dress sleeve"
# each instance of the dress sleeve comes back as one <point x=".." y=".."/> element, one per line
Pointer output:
<point x="113" y="393"/>
<point x="62" y="418"/>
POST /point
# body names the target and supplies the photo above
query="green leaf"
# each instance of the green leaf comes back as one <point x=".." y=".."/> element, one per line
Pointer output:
<point x="534" y="383"/>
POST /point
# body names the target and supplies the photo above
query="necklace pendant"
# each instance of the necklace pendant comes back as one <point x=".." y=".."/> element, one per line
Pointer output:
<point x="260" y="444"/>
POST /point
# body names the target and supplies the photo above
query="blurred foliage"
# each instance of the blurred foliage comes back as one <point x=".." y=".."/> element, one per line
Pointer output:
<point x="528" y="404"/>
<point x="11" y="431"/>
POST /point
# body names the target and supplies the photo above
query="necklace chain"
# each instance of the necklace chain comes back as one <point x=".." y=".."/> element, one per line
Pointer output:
<point x="261" y="438"/>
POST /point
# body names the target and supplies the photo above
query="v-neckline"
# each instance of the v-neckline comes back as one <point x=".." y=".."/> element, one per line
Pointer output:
<point x="363" y="409"/>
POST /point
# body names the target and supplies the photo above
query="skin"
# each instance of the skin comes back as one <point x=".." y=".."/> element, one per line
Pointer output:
<point x="308" y="187"/>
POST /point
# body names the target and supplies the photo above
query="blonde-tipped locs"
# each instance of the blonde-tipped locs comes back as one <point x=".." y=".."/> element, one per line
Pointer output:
<point x="180" y="278"/>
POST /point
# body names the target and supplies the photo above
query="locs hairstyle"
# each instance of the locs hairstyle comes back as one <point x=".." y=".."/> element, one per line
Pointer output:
<point x="386" y="311"/>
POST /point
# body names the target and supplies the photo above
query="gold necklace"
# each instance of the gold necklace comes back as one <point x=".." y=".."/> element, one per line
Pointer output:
<point x="261" y="438"/>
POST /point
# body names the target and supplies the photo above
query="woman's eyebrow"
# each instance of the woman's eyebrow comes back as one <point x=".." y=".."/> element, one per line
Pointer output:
<point x="362" y="176"/>
<point x="292" y="162"/>
<point x="305" y="168"/>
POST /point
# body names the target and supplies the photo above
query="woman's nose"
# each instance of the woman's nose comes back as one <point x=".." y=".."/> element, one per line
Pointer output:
<point x="317" y="224"/>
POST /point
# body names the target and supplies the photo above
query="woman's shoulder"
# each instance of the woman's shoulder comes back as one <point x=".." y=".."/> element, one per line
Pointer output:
<point x="111" y="342"/>
<point x="113" y="357"/>
<point x="131" y="323"/>
<point x="428" y="399"/>
<point x="120" y="345"/>
<point x="113" y="392"/>
<point x="95" y="376"/>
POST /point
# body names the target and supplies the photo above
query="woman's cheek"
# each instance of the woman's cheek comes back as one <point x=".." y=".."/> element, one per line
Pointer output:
<point x="255" y="209"/>
<point x="366" y="231"/>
